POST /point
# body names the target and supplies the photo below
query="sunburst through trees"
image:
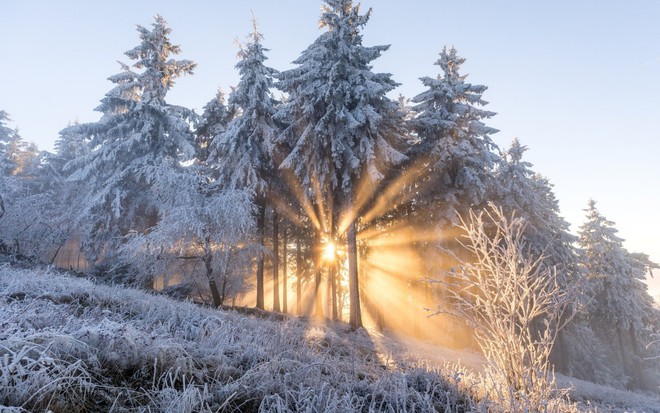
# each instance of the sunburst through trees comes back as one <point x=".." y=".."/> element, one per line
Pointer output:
<point x="332" y="200"/>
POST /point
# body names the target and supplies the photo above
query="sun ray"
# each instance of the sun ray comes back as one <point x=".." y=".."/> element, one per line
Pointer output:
<point x="394" y="193"/>
<point x="385" y="196"/>
<point x="296" y="189"/>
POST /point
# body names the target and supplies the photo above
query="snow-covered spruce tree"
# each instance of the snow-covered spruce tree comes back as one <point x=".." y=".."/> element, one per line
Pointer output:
<point x="343" y="127"/>
<point x="212" y="123"/>
<point x="452" y="140"/>
<point x="8" y="140"/>
<point x="620" y="305"/>
<point x="530" y="196"/>
<point x="139" y="141"/>
<point x="7" y="166"/>
<point x="17" y="156"/>
<point x="28" y="226"/>
<point x="70" y="145"/>
<point x="244" y="153"/>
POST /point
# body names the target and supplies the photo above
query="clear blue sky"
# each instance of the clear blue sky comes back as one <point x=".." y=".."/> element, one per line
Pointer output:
<point x="576" y="81"/>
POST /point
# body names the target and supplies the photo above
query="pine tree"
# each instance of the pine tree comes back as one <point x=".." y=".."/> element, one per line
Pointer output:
<point x="453" y="139"/>
<point x="213" y="123"/>
<point x="244" y="153"/>
<point x="70" y="145"/>
<point x="7" y="164"/>
<point x="530" y="196"/>
<point x="8" y="139"/>
<point x="343" y="127"/>
<point x="620" y="305"/>
<point x="139" y="144"/>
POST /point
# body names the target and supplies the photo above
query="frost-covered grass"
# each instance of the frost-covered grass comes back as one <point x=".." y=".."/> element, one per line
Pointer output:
<point x="67" y="344"/>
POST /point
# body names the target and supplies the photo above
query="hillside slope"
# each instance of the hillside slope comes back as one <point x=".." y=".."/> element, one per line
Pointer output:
<point x="67" y="344"/>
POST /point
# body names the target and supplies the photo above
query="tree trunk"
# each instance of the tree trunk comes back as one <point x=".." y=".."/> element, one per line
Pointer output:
<point x="380" y="320"/>
<point x="276" y="262"/>
<point x="285" y="287"/>
<point x="355" y="318"/>
<point x="299" y="272"/>
<point x="318" y="305"/>
<point x="333" y="287"/>
<point x="561" y="353"/>
<point x="636" y="365"/>
<point x="332" y="270"/>
<point x="57" y="251"/>
<point x="261" y="212"/>
<point x="217" y="301"/>
<point x="223" y="294"/>
<point x="328" y="292"/>
<point x="622" y="352"/>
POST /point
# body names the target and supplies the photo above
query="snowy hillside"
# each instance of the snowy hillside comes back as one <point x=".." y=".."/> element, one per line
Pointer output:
<point x="67" y="344"/>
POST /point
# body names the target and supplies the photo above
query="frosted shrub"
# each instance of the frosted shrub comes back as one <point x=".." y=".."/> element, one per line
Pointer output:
<point x="513" y="303"/>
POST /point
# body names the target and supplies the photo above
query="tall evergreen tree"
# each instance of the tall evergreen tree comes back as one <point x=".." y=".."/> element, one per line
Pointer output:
<point x="525" y="194"/>
<point x="244" y="153"/>
<point x="453" y="139"/>
<point x="70" y="145"/>
<point x="7" y="164"/>
<point x="213" y="123"/>
<point x="620" y="305"/>
<point x="343" y="127"/>
<point x="139" y="144"/>
<point x="16" y="155"/>
<point x="27" y="204"/>
<point x="8" y="139"/>
<point x="530" y="196"/>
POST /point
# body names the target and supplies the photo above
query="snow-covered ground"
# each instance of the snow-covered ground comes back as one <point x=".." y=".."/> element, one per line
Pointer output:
<point x="587" y="394"/>
<point x="67" y="344"/>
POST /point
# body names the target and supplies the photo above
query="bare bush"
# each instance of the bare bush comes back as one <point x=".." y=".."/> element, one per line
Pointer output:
<point x="514" y="304"/>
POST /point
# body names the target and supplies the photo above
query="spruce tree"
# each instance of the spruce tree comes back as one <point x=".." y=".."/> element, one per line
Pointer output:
<point x="525" y="194"/>
<point x="453" y="140"/>
<point x="530" y="196"/>
<point x="139" y="145"/>
<point x="8" y="139"/>
<point x="7" y="165"/>
<point x="70" y="145"/>
<point x="212" y="123"/>
<point x="620" y="305"/>
<point x="244" y="153"/>
<point x="343" y="127"/>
